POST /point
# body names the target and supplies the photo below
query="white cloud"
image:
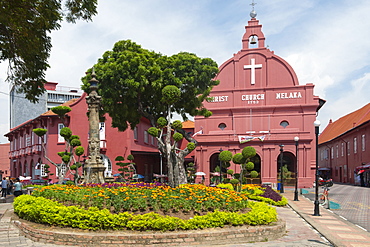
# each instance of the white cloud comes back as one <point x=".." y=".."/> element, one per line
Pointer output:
<point x="326" y="42"/>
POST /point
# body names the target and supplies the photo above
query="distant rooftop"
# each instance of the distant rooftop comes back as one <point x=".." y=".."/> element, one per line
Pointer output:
<point x="345" y="124"/>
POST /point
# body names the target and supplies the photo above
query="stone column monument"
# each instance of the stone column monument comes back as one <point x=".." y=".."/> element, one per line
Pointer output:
<point x="94" y="168"/>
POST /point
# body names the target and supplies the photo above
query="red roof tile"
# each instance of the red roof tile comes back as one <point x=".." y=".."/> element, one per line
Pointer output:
<point x="68" y="103"/>
<point x="188" y="124"/>
<point x="344" y="124"/>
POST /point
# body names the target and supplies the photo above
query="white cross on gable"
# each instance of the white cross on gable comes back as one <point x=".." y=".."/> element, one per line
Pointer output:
<point x="253" y="66"/>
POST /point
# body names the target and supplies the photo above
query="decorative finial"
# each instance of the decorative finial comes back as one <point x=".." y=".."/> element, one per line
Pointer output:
<point x="253" y="13"/>
<point x="93" y="75"/>
<point x="93" y="82"/>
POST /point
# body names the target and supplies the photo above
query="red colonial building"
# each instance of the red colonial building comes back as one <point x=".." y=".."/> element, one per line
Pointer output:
<point x="27" y="158"/>
<point x="4" y="160"/>
<point x="260" y="103"/>
<point x="344" y="148"/>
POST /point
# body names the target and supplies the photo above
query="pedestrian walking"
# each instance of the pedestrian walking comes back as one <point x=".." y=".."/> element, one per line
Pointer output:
<point x="4" y="187"/>
<point x="17" y="188"/>
<point x="10" y="186"/>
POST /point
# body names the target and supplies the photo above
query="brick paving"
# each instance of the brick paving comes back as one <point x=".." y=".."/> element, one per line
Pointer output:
<point x="353" y="200"/>
<point x="303" y="229"/>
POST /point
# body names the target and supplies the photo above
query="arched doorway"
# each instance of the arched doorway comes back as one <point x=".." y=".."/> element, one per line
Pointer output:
<point x="108" y="165"/>
<point x="289" y="167"/>
<point x="214" y="162"/>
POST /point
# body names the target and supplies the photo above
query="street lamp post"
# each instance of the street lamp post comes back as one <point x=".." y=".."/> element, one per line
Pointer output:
<point x="296" y="139"/>
<point x="316" y="203"/>
<point x="220" y="164"/>
<point x="281" y="168"/>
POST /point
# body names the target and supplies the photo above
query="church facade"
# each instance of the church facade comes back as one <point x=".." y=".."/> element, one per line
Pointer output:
<point x="260" y="103"/>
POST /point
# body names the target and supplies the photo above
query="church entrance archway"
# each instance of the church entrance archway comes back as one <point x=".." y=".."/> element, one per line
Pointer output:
<point x="289" y="167"/>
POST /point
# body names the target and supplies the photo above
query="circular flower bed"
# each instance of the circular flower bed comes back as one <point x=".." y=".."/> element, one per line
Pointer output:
<point x="141" y="207"/>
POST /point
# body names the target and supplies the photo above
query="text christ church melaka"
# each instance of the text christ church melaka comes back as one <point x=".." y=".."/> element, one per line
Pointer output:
<point x="259" y="103"/>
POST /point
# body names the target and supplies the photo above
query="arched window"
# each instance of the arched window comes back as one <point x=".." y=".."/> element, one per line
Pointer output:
<point x="222" y="126"/>
<point x="284" y="124"/>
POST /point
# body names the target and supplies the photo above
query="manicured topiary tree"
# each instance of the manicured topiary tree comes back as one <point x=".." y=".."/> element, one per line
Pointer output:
<point x="127" y="169"/>
<point x="191" y="172"/>
<point x="225" y="158"/>
<point x="246" y="165"/>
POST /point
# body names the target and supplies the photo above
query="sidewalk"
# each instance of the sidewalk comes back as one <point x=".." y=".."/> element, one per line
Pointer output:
<point x="335" y="229"/>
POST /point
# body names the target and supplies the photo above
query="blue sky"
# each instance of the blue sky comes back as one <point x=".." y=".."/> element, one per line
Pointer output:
<point x="326" y="42"/>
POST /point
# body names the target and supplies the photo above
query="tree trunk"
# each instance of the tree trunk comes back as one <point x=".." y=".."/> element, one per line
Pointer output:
<point x="180" y="164"/>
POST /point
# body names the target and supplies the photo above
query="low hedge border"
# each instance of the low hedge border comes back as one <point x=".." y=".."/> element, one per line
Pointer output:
<point x="45" y="211"/>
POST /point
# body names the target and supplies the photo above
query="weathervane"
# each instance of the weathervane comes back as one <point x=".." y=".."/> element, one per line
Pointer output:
<point x="253" y="3"/>
<point x="253" y="13"/>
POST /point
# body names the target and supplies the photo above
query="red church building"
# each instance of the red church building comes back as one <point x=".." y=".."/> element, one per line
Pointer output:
<point x="260" y="103"/>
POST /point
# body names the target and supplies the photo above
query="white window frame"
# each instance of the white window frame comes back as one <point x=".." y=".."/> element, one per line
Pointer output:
<point x="342" y="151"/>
<point x="64" y="170"/>
<point x="135" y="133"/>
<point x="146" y="137"/>
<point x="332" y="153"/>
<point x="102" y="131"/>
<point x="355" y="145"/>
<point x="151" y="139"/>
<point x="363" y="143"/>
<point x="348" y="148"/>
<point x="42" y="168"/>
<point x="337" y="150"/>
<point x="60" y="138"/>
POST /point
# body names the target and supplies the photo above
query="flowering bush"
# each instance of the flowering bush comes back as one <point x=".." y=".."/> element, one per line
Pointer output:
<point x="146" y="197"/>
<point x="260" y="193"/>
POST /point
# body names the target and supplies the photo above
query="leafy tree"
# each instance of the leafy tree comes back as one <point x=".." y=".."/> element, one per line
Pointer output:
<point x="25" y="42"/>
<point x="137" y="83"/>
<point x="72" y="149"/>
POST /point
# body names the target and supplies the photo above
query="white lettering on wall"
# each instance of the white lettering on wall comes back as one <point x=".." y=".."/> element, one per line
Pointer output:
<point x="219" y="99"/>
<point x="291" y="95"/>
<point x="253" y="97"/>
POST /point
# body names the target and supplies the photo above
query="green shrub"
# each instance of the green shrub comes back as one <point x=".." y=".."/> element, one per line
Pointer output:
<point x="153" y="131"/>
<point x="161" y="122"/>
<point x="40" y="131"/>
<point x="254" y="174"/>
<point x="249" y="166"/>
<point x="177" y="136"/>
<point x="230" y="171"/>
<point x="75" y="143"/>
<point x="61" y="110"/>
<point x="226" y="156"/>
<point x="238" y="158"/>
<point x="191" y="146"/>
<point x="79" y="150"/>
<point x="177" y="125"/>
<point x="66" y="133"/>
<point x="45" y="211"/>
<point x="248" y="152"/>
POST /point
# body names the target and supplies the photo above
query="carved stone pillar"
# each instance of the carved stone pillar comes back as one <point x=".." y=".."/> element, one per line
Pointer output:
<point x="94" y="167"/>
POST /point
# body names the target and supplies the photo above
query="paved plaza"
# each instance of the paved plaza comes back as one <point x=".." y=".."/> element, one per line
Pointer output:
<point x="303" y="229"/>
<point x="354" y="203"/>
